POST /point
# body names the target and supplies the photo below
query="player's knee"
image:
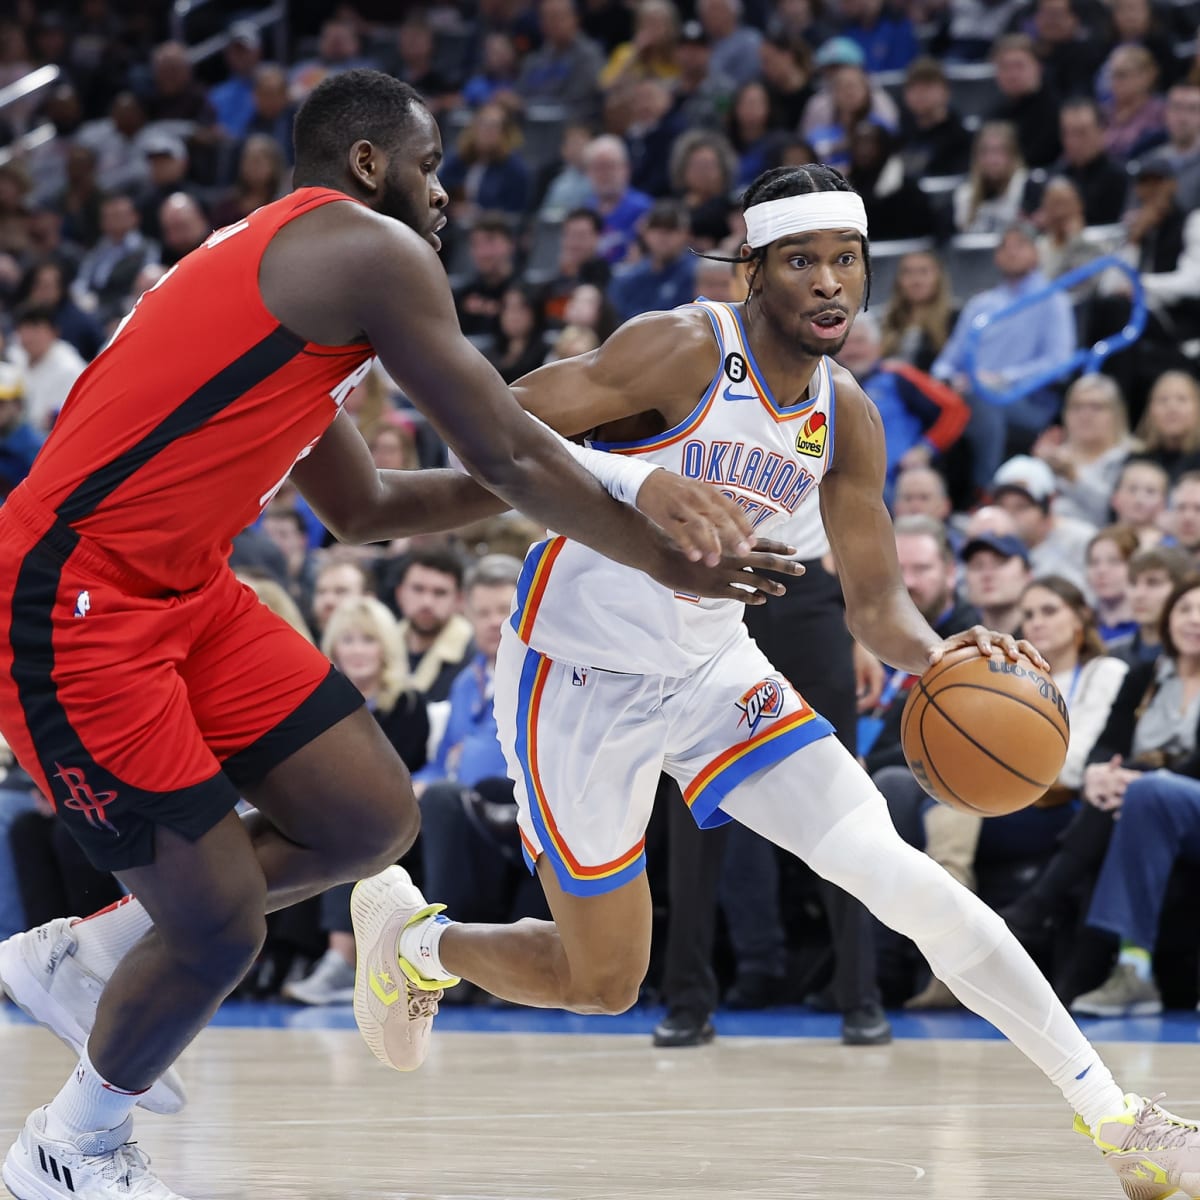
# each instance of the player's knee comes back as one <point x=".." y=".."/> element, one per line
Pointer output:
<point x="606" y="991"/>
<point x="223" y="952"/>
<point x="384" y="835"/>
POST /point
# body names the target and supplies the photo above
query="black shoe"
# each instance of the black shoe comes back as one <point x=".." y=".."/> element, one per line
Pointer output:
<point x="1033" y="929"/>
<point x="684" y="1027"/>
<point x="866" y="1026"/>
<point x="754" y="989"/>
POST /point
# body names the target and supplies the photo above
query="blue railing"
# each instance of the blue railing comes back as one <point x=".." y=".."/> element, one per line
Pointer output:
<point x="1084" y="360"/>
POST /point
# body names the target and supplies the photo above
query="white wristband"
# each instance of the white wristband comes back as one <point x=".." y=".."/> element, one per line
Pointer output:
<point x="619" y="476"/>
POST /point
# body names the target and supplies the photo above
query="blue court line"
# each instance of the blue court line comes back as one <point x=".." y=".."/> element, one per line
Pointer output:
<point x="1174" y="1027"/>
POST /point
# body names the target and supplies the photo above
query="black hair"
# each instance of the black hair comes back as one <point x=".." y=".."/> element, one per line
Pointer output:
<point x="358" y="105"/>
<point x="586" y="214"/>
<point x="780" y="182"/>
<point x="35" y="314"/>
<point x="434" y="558"/>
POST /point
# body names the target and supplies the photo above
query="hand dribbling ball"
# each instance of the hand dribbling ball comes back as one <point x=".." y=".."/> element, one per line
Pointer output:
<point x="985" y="735"/>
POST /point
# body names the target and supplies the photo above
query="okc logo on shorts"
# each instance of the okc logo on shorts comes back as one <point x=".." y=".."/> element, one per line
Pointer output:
<point x="83" y="800"/>
<point x="763" y="702"/>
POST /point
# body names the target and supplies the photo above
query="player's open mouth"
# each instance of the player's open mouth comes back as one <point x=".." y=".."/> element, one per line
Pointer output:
<point x="829" y="325"/>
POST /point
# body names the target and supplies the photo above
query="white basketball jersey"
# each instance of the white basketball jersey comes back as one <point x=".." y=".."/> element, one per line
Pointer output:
<point x="576" y="606"/>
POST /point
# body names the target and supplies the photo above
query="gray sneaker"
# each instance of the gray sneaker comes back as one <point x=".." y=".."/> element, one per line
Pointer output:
<point x="331" y="981"/>
<point x="1123" y="994"/>
<point x="1153" y="1152"/>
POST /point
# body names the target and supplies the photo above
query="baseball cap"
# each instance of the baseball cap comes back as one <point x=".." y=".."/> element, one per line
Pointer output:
<point x="159" y="141"/>
<point x="1027" y="475"/>
<point x="692" y="34"/>
<point x="245" y="33"/>
<point x="1006" y="545"/>
<point x="1154" y="166"/>
<point x="840" y="52"/>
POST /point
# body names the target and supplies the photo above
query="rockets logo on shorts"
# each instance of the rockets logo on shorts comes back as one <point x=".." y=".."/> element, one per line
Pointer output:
<point x="811" y="438"/>
<point x="762" y="702"/>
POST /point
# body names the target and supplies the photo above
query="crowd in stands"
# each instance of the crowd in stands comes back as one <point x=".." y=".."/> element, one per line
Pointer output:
<point x="596" y="153"/>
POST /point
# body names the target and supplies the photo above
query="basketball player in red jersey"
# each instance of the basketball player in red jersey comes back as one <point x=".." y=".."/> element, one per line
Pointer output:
<point x="145" y="689"/>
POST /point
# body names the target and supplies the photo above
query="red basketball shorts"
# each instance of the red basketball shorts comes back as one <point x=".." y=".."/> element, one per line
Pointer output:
<point x="132" y="708"/>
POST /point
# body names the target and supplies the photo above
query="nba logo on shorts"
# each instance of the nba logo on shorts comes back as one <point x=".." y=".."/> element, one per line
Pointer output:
<point x="762" y="702"/>
<point x="578" y="677"/>
<point x="83" y="604"/>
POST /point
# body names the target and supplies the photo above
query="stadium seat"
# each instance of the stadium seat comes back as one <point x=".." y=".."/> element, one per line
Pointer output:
<point x="969" y="260"/>
<point x="885" y="259"/>
<point x="543" y="127"/>
<point x="543" y="253"/>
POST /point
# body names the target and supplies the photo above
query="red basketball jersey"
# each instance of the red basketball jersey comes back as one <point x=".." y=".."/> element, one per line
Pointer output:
<point x="177" y="435"/>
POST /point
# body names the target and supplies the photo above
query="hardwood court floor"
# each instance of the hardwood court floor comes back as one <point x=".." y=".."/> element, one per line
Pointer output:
<point x="307" y="1114"/>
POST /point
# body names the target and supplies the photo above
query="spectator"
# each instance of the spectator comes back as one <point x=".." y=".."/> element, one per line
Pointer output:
<point x="702" y="93"/>
<point x="519" y="346"/>
<point x="496" y="76"/>
<point x="650" y="126"/>
<point x="19" y="441"/>
<point x="1069" y="51"/>
<point x="579" y="262"/>
<point x="1046" y="335"/>
<point x="1109" y="554"/>
<point x="718" y="281"/>
<point x="845" y="98"/>
<point x="1135" y="115"/>
<point x="703" y="168"/>
<point x="920" y="312"/>
<point x="1101" y="180"/>
<point x="106" y="275"/>
<point x="15" y="189"/>
<point x="1025" y="488"/>
<point x="1062" y="245"/>
<point x="274" y="111"/>
<point x="1137" y="22"/>
<point x="393" y="444"/>
<point x="933" y="139"/>
<point x="1027" y="102"/>
<point x="1182" y="147"/>
<point x="492" y="248"/>
<point x="786" y="67"/>
<point x="167" y="157"/>
<point x="620" y="206"/>
<point x="997" y="574"/>
<point x="883" y="33"/>
<point x="734" y="45"/>
<point x="1144" y="768"/>
<point x="337" y="581"/>
<point x="118" y="141"/>
<point x="184" y="227"/>
<point x="470" y="845"/>
<point x="232" y="100"/>
<point x="286" y="528"/>
<point x="1139" y="499"/>
<point x="46" y="286"/>
<point x="990" y="198"/>
<point x="565" y="183"/>
<point x="339" y="49"/>
<point x="48" y="365"/>
<point x="665" y="277"/>
<point x="46" y="240"/>
<point x="1086" y="452"/>
<point x="80" y="199"/>
<point x="1169" y="431"/>
<point x="485" y="171"/>
<point x="416" y="63"/>
<point x="1153" y="574"/>
<point x="923" y="417"/>
<point x="47" y="163"/>
<point x="428" y="592"/>
<point x="571" y="341"/>
<point x="749" y="126"/>
<point x="921" y="492"/>
<point x="175" y="93"/>
<point x="261" y="177"/>
<point x="1185" y="515"/>
<point x="566" y="69"/>
<point x="896" y="206"/>
<point x="651" y="53"/>
<point x="590" y="309"/>
<point x="361" y="640"/>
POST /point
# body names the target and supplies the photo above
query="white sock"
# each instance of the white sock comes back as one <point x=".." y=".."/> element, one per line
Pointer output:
<point x="419" y="946"/>
<point x="1088" y="1086"/>
<point x="107" y="936"/>
<point x="87" y="1104"/>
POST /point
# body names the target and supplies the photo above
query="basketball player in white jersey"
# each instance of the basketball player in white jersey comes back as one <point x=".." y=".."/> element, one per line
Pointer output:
<point x="605" y="679"/>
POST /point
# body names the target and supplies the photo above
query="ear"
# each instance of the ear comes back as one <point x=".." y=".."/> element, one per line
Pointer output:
<point x="750" y="271"/>
<point x="366" y="164"/>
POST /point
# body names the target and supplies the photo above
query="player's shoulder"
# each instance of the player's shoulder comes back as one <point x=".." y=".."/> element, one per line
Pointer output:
<point x="674" y="344"/>
<point x="852" y="402"/>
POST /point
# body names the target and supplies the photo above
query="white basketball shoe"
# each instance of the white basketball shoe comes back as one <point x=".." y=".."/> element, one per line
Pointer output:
<point x="46" y="976"/>
<point x="393" y="1005"/>
<point x="93" y="1166"/>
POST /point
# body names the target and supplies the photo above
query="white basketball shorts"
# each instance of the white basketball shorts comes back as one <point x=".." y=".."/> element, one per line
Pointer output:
<point x="586" y="748"/>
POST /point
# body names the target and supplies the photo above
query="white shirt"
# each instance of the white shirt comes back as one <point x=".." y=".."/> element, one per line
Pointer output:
<point x="48" y="382"/>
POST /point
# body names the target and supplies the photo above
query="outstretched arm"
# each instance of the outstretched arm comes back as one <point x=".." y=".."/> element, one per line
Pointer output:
<point x="879" y="610"/>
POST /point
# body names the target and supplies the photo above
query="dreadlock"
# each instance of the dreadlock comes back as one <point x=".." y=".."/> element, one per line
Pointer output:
<point x="779" y="182"/>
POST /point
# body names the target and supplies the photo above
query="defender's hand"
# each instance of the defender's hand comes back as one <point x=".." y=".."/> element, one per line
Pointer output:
<point x="703" y="524"/>
<point x="735" y="577"/>
<point x="987" y="640"/>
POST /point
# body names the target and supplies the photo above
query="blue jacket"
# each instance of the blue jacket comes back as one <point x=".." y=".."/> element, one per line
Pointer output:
<point x="504" y="186"/>
<point x="642" y="289"/>
<point x="17" y="452"/>
<point x="470" y="747"/>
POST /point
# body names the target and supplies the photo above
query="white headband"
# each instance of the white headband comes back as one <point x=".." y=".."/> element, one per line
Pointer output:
<point x="773" y="219"/>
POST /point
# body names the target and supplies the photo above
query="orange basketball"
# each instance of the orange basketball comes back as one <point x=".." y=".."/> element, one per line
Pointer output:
<point x="985" y="735"/>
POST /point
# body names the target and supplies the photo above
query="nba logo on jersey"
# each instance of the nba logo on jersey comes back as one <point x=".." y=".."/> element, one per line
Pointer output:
<point x="83" y="604"/>
<point x="811" y="438"/>
<point x="762" y="702"/>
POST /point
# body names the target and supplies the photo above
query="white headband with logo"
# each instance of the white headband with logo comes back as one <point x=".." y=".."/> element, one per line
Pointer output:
<point x="773" y="219"/>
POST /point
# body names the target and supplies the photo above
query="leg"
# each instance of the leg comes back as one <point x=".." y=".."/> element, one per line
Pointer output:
<point x="36" y="879"/>
<point x="750" y="900"/>
<point x="86" y="889"/>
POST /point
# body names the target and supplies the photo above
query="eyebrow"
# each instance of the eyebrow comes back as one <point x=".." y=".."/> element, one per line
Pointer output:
<point x="806" y="239"/>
